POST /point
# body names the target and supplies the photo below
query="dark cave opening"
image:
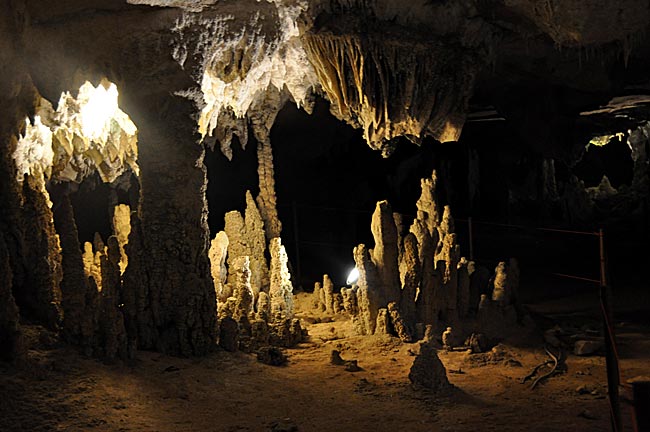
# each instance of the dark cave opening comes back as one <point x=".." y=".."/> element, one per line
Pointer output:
<point x="613" y="159"/>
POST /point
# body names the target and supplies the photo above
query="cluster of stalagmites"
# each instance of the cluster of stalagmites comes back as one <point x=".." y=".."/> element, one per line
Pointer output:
<point x="416" y="284"/>
<point x="255" y="300"/>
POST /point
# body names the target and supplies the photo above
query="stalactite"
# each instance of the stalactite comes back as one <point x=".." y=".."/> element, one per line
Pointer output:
<point x="370" y="79"/>
<point x="121" y="224"/>
<point x="266" y="200"/>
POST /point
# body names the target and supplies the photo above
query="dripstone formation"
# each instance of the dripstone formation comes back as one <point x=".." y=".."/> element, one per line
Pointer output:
<point x="255" y="301"/>
<point x="418" y="281"/>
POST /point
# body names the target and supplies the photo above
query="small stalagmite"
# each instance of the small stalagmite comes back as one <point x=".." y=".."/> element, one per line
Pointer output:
<point x="385" y="254"/>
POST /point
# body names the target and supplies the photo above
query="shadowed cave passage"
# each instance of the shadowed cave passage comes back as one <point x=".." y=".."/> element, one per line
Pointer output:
<point x="328" y="182"/>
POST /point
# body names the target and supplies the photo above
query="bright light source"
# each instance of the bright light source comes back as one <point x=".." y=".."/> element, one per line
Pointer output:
<point x="98" y="107"/>
<point x="353" y="277"/>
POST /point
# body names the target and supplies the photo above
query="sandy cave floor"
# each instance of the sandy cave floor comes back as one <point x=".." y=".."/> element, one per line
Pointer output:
<point x="57" y="390"/>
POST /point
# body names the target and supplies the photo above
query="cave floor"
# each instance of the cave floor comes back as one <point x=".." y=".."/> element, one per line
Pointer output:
<point x="55" y="389"/>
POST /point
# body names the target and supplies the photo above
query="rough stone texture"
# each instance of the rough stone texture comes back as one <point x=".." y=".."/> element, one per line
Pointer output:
<point x="428" y="371"/>
<point x="398" y="324"/>
<point x="256" y="246"/>
<point x="247" y="238"/>
<point x="368" y="299"/>
<point x="121" y="223"/>
<point x="385" y="254"/>
<point x="382" y="324"/>
<point x="78" y="293"/>
<point x="411" y="272"/>
<point x="281" y="290"/>
<point x="41" y="297"/>
<point x="264" y="307"/>
<point x="217" y="255"/>
<point x="242" y="293"/>
<point x="10" y="334"/>
<point x="266" y="200"/>
<point x="228" y="334"/>
<point x="501" y="293"/>
<point x="317" y="297"/>
<point x="272" y="356"/>
<point x="368" y="76"/>
<point x="328" y="294"/>
<point x="113" y="339"/>
<point x="463" y="297"/>
<point x="349" y="297"/>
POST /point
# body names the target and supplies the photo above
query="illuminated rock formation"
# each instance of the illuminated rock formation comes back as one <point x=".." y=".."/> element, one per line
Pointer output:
<point x="368" y="299"/>
<point x="385" y="253"/>
<point x="217" y="254"/>
<point x="428" y="371"/>
<point x="281" y="290"/>
<point x="121" y="224"/>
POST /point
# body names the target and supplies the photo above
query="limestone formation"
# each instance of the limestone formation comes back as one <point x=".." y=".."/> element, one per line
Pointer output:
<point x="328" y="294"/>
<point x="411" y="272"/>
<point x="121" y="223"/>
<point x="398" y="324"/>
<point x="246" y="237"/>
<point x="78" y="294"/>
<point x="242" y="292"/>
<point x="385" y="253"/>
<point x="317" y="297"/>
<point x="368" y="298"/>
<point x="264" y="307"/>
<point x="111" y="328"/>
<point x="448" y="338"/>
<point x="267" y="200"/>
<point x="256" y="246"/>
<point x="428" y="371"/>
<point x="463" y="297"/>
<point x="217" y="254"/>
<point x="228" y="334"/>
<point x="281" y="290"/>
<point x="40" y="297"/>
<point x="501" y="293"/>
<point x="10" y="333"/>
<point x="382" y="324"/>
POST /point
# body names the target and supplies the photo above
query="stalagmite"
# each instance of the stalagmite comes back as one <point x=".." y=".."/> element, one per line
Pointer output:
<point x="256" y="245"/>
<point x="385" y="253"/>
<point x="501" y="293"/>
<point x="368" y="299"/>
<point x="398" y="324"/>
<point x="328" y="294"/>
<point x="242" y="292"/>
<point x="112" y="331"/>
<point x="10" y="334"/>
<point x="428" y="371"/>
<point x="411" y="279"/>
<point x="217" y="254"/>
<point x="41" y="295"/>
<point x="78" y="297"/>
<point x="382" y="324"/>
<point x="281" y="290"/>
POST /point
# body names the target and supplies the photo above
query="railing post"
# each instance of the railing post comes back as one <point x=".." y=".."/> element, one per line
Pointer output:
<point x="611" y="358"/>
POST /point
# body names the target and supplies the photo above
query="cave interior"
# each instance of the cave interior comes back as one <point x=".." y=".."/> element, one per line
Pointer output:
<point x="454" y="193"/>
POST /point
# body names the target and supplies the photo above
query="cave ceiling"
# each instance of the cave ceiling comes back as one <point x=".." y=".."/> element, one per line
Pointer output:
<point x="391" y="68"/>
